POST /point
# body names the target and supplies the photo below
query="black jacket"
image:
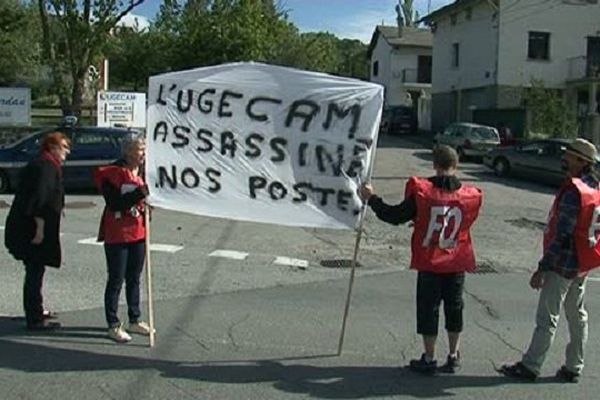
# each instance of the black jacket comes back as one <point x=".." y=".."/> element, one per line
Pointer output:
<point x="407" y="210"/>
<point x="40" y="194"/>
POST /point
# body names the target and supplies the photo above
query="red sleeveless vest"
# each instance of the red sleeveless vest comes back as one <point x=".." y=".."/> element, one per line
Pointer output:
<point x="120" y="227"/>
<point x="587" y="228"/>
<point x="441" y="241"/>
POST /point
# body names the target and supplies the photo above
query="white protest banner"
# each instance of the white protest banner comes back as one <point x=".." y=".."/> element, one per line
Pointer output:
<point x="263" y="143"/>
<point x="15" y="106"/>
<point x="125" y="109"/>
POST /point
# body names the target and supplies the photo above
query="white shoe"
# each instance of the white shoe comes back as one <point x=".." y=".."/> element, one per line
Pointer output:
<point x="118" y="334"/>
<point x="141" y="328"/>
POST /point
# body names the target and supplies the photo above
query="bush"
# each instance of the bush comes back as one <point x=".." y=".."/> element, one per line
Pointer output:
<point x="551" y="117"/>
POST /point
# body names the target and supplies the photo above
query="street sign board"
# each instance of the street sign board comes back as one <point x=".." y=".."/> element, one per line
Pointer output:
<point x="123" y="109"/>
<point x="15" y="106"/>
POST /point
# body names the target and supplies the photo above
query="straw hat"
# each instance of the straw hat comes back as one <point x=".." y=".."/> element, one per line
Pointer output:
<point x="583" y="149"/>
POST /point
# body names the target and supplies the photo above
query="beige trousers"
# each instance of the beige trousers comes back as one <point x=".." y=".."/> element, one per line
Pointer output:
<point x="556" y="292"/>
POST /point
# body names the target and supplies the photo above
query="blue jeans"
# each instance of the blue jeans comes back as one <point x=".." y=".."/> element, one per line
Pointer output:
<point x="125" y="262"/>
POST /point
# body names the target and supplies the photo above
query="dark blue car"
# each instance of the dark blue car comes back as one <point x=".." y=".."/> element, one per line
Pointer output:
<point x="90" y="148"/>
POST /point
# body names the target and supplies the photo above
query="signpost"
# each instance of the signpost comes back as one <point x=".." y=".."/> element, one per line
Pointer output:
<point x="123" y="109"/>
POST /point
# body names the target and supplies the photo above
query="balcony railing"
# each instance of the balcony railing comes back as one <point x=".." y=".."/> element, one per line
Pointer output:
<point x="414" y="75"/>
<point x="582" y="67"/>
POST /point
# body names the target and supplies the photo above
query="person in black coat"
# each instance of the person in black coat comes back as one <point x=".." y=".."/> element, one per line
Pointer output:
<point x="33" y="224"/>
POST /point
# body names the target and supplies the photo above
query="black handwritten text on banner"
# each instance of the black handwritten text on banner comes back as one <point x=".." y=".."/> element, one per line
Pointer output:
<point x="261" y="143"/>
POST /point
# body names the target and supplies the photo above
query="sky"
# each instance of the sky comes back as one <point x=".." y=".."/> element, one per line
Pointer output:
<point x="354" y="19"/>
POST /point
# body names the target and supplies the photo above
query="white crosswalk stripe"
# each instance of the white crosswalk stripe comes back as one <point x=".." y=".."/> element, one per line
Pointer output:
<point x="292" y="262"/>
<point x="235" y="255"/>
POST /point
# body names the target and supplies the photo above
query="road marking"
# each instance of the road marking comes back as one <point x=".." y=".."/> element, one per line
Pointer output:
<point x="292" y="262"/>
<point x="166" y="248"/>
<point x="235" y="255"/>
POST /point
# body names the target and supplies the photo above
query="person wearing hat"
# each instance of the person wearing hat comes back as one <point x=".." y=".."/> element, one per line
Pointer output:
<point x="571" y="250"/>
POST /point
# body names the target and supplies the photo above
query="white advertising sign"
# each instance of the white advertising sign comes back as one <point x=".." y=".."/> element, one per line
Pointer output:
<point x="262" y="143"/>
<point x="15" y="106"/>
<point x="122" y="109"/>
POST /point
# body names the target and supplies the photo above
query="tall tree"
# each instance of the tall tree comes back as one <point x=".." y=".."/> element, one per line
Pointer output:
<point x="406" y="15"/>
<point x="19" y="33"/>
<point x="74" y="33"/>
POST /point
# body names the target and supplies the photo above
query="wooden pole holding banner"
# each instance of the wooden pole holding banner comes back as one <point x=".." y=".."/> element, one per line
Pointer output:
<point x="350" y="285"/>
<point x="355" y="256"/>
<point x="149" y="277"/>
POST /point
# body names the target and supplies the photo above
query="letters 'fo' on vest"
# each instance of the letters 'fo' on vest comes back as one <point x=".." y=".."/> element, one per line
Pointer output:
<point x="441" y="241"/>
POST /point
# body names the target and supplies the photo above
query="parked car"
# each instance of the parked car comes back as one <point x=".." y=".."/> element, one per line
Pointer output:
<point x="398" y="120"/>
<point x="468" y="139"/>
<point x="537" y="160"/>
<point x="90" y="148"/>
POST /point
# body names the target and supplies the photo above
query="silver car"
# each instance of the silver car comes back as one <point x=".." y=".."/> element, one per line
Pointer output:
<point x="468" y="139"/>
<point x="538" y="160"/>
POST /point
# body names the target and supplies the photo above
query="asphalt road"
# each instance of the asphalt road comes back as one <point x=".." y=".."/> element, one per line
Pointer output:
<point x="251" y="311"/>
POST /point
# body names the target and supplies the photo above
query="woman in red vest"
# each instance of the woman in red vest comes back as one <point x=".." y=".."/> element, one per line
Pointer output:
<point x="123" y="230"/>
<point x="443" y="211"/>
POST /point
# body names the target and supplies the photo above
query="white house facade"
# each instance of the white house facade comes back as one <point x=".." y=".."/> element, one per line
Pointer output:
<point x="486" y="53"/>
<point x="400" y="60"/>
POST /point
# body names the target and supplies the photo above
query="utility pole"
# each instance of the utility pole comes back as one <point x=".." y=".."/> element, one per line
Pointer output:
<point x="428" y="7"/>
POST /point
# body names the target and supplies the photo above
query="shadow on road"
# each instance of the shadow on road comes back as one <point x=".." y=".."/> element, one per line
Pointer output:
<point x="327" y="382"/>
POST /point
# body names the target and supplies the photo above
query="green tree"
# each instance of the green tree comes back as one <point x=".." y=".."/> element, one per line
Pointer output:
<point x="550" y="115"/>
<point x="19" y="35"/>
<point x="195" y="33"/>
<point x="133" y="57"/>
<point x="74" y="34"/>
<point x="319" y="52"/>
<point x="353" y="59"/>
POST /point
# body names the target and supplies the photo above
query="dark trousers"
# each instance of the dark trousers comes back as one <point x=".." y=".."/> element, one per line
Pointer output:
<point x="33" y="302"/>
<point x="125" y="263"/>
<point x="432" y="289"/>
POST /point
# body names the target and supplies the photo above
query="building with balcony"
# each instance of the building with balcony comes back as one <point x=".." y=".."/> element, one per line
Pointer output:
<point x="400" y="60"/>
<point x="487" y="52"/>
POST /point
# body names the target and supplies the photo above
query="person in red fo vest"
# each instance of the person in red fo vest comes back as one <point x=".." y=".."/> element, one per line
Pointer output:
<point x="571" y="250"/>
<point x="123" y="230"/>
<point x="443" y="210"/>
<point x="32" y="231"/>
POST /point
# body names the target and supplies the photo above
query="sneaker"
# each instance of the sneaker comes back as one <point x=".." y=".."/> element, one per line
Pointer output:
<point x="47" y="314"/>
<point x="141" y="328"/>
<point x="118" y="334"/>
<point x="567" y="376"/>
<point x="423" y="366"/>
<point x="452" y="364"/>
<point x="519" y="371"/>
